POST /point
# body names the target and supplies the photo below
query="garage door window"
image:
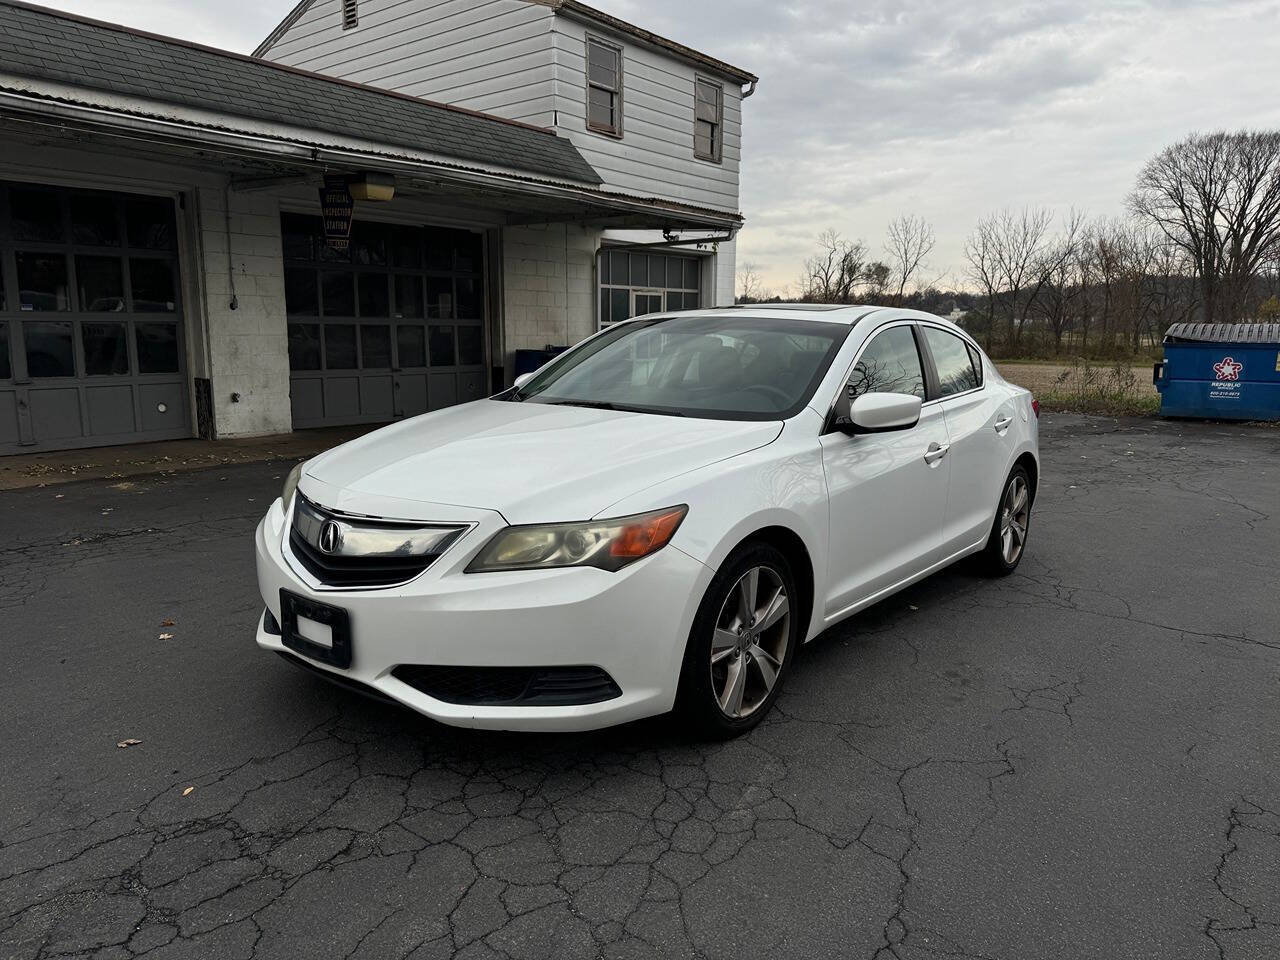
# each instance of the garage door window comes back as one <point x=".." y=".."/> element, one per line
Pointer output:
<point x="157" y="347"/>
<point x="636" y="283"/>
<point x="106" y="349"/>
<point x="42" y="282"/>
<point x="49" y="352"/>
<point x="36" y="214"/>
<point x="95" y="220"/>
<point x="152" y="284"/>
<point x="101" y="283"/>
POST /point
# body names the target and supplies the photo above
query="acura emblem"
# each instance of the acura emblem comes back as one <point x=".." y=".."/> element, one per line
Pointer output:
<point x="330" y="537"/>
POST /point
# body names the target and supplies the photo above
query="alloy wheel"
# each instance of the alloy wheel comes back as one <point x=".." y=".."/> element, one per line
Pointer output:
<point x="1015" y="512"/>
<point x="750" y="642"/>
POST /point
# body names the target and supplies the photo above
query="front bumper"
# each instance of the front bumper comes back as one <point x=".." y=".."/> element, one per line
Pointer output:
<point x="633" y="624"/>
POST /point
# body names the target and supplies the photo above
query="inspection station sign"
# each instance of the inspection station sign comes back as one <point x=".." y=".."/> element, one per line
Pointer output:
<point x="337" y="208"/>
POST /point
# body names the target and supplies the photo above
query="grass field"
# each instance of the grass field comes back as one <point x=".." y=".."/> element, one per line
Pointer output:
<point x="1043" y="377"/>
<point x="1093" y="388"/>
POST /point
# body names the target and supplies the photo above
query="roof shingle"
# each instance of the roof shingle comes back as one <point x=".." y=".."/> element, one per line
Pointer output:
<point x="44" y="44"/>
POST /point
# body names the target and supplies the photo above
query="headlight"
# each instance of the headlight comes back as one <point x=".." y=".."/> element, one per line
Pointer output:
<point x="606" y="544"/>
<point x="291" y="485"/>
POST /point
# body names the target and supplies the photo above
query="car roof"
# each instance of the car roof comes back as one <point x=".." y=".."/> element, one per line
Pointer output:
<point x="850" y="314"/>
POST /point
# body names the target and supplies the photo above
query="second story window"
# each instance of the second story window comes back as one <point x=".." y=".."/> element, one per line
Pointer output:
<point x="604" y="87"/>
<point x="708" y="120"/>
<point x="350" y="14"/>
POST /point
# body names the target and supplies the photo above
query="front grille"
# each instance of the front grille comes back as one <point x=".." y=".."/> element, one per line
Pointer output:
<point x="511" y="686"/>
<point x="363" y="552"/>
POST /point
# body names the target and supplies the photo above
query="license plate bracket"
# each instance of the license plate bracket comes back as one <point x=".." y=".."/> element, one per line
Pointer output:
<point x="293" y="606"/>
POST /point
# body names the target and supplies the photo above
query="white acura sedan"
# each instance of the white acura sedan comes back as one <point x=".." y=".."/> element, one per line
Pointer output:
<point x="655" y="520"/>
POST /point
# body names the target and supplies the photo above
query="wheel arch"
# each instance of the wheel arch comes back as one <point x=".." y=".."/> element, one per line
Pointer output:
<point x="1029" y="463"/>
<point x="792" y="546"/>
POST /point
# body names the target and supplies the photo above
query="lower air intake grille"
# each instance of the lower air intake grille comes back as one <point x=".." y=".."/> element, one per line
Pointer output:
<point x="511" y="686"/>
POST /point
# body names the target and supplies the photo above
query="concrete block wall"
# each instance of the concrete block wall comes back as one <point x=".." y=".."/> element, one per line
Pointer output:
<point x="248" y="347"/>
<point x="725" y="265"/>
<point x="549" y="285"/>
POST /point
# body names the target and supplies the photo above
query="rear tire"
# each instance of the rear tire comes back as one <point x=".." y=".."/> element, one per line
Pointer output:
<point x="740" y="648"/>
<point x="1008" y="540"/>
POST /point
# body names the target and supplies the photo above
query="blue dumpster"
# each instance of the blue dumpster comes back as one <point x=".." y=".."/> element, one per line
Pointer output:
<point x="1223" y="371"/>
<point x="528" y="361"/>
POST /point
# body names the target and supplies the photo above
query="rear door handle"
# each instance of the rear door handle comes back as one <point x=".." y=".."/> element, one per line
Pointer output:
<point x="936" y="452"/>
<point x="1003" y="425"/>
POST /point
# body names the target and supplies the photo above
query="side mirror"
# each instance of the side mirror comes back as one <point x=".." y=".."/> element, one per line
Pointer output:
<point x="877" y="412"/>
<point x="524" y="378"/>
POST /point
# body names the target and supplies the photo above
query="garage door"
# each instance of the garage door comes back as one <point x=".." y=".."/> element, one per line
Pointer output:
<point x="91" y="344"/>
<point x="390" y="328"/>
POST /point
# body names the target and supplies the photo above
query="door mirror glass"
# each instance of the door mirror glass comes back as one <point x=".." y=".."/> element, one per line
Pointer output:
<point x="878" y="412"/>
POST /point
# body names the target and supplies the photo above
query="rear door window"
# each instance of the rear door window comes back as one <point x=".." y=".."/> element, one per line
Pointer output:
<point x="956" y="373"/>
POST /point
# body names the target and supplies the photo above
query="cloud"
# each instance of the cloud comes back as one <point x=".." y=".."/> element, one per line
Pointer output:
<point x="944" y="108"/>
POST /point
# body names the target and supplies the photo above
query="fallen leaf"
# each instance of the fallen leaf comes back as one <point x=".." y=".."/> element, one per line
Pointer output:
<point x="165" y="636"/>
<point x="128" y="743"/>
<point x="187" y="792"/>
<point x="166" y="623"/>
<point x="913" y="606"/>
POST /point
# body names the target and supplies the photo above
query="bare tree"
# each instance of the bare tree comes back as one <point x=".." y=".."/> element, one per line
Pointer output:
<point x="750" y="286"/>
<point x="833" y="273"/>
<point x="1217" y="197"/>
<point x="1059" y="290"/>
<point x="980" y="253"/>
<point x="1020" y="251"/>
<point x="910" y="240"/>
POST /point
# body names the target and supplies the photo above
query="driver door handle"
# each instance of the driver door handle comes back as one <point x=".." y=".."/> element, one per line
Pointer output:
<point x="1003" y="424"/>
<point x="936" y="452"/>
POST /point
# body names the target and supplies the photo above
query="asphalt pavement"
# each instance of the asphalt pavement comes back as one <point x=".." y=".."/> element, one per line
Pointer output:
<point x="1080" y="761"/>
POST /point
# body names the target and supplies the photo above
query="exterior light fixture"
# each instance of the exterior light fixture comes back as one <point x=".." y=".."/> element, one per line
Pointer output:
<point x="372" y="187"/>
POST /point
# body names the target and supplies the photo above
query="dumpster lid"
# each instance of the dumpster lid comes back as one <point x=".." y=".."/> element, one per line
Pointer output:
<point x="1223" y="333"/>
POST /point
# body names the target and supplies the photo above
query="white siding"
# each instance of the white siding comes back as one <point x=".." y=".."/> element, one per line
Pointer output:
<point x="655" y="157"/>
<point x="521" y="61"/>
<point x="489" y="55"/>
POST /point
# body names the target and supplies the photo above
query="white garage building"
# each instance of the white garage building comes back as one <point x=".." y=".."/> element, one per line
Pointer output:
<point x="523" y="171"/>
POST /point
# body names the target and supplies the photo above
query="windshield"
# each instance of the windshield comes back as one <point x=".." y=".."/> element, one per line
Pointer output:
<point x="724" y="368"/>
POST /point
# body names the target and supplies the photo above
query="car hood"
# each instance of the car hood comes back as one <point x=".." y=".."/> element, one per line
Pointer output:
<point x="531" y="462"/>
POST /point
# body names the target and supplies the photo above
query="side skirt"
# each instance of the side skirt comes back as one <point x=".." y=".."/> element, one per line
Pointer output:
<point x="900" y="585"/>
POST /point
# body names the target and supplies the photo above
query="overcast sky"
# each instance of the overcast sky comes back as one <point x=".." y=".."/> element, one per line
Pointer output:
<point x="944" y="108"/>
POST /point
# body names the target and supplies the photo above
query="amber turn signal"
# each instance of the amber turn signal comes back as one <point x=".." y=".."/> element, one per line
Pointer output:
<point x="649" y="533"/>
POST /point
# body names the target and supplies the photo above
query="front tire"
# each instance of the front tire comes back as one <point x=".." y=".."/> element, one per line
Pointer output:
<point x="742" y="642"/>
<point x="1008" y="540"/>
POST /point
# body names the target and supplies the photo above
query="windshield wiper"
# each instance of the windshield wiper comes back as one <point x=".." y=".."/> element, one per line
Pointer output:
<point x="619" y="407"/>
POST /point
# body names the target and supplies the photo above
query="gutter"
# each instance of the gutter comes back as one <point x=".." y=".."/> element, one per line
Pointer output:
<point x="581" y="11"/>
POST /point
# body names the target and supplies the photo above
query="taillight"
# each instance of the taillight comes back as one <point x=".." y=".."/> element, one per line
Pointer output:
<point x="1035" y="407"/>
